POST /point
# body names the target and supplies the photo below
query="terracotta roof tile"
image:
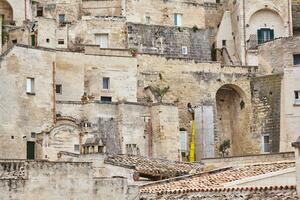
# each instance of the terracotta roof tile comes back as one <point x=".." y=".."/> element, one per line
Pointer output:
<point x="214" y="180"/>
<point x="154" y="167"/>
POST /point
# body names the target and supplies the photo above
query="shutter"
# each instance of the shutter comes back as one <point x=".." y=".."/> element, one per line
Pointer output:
<point x="259" y="36"/>
<point x="271" y="34"/>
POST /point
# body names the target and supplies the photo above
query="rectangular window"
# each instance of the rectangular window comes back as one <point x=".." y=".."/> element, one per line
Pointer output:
<point x="61" y="41"/>
<point x="297" y="97"/>
<point x="106" y="99"/>
<point x="76" y="147"/>
<point x="266" y="143"/>
<point x="296" y="60"/>
<point x="105" y="83"/>
<point x="148" y="19"/>
<point x="58" y="89"/>
<point x="177" y="19"/>
<point x="224" y="43"/>
<point x="61" y="18"/>
<point x="102" y="40"/>
<point x="184" y="50"/>
<point x="30" y="85"/>
<point x="39" y="12"/>
<point x="33" y="41"/>
<point x="265" y="35"/>
<point x="33" y="135"/>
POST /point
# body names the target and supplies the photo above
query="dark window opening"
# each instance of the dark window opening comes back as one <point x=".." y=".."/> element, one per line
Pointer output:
<point x="61" y="41"/>
<point x="224" y="43"/>
<point x="58" y="89"/>
<point x="33" y="135"/>
<point x="106" y="99"/>
<point x="39" y="12"/>
<point x="30" y="150"/>
<point x="47" y="40"/>
<point x="14" y="41"/>
<point x="105" y="83"/>
<point x="61" y="18"/>
<point x="296" y="59"/>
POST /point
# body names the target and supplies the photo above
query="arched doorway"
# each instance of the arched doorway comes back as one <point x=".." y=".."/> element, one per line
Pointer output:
<point x="232" y="117"/>
<point x="6" y="11"/>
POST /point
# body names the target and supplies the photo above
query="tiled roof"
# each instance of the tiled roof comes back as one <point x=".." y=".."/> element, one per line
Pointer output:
<point x="214" y="180"/>
<point x="153" y="167"/>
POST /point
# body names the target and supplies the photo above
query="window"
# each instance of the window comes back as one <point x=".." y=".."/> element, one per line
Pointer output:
<point x="61" y="41"/>
<point x="265" y="35"/>
<point x="14" y="41"/>
<point x="76" y="147"/>
<point x="297" y="97"/>
<point x="224" y="43"/>
<point x="33" y="134"/>
<point x="148" y="19"/>
<point x="39" y="12"/>
<point x="266" y="143"/>
<point x="296" y="59"/>
<point x="184" y="50"/>
<point x="105" y="83"/>
<point x="47" y="40"/>
<point x="58" y="89"/>
<point x="61" y="18"/>
<point x="177" y="19"/>
<point x="33" y="40"/>
<point x="30" y="85"/>
<point x="102" y="40"/>
<point x="106" y="99"/>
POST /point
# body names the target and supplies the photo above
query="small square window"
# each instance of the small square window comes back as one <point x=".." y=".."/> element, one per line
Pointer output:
<point x="14" y="41"/>
<point x="177" y="19"/>
<point x="61" y="41"/>
<point x="12" y="137"/>
<point x="30" y="85"/>
<point x="106" y="99"/>
<point x="224" y="43"/>
<point x="184" y="50"/>
<point x="61" y="18"/>
<point x="76" y="147"/>
<point x="105" y="83"/>
<point x="39" y="12"/>
<point x="47" y="40"/>
<point x="58" y="89"/>
<point x="33" y="135"/>
<point x="296" y="60"/>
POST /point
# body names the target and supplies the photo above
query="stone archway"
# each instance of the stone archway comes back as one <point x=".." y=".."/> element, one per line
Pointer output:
<point x="232" y="117"/>
<point x="6" y="11"/>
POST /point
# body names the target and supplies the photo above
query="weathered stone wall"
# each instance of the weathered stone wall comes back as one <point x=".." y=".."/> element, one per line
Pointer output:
<point x="127" y="124"/>
<point x="276" y="55"/>
<point x="22" y="113"/>
<point x="49" y="180"/>
<point x="168" y="41"/>
<point x="59" y="180"/>
<point x="162" y="12"/>
<point x="195" y="83"/>
<point x="266" y="103"/>
<point x="102" y="8"/>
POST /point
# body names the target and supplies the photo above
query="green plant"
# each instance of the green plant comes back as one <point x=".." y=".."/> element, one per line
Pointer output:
<point x="159" y="92"/>
<point x="223" y="148"/>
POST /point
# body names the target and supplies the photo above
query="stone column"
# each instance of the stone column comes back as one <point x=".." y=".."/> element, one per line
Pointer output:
<point x="296" y="145"/>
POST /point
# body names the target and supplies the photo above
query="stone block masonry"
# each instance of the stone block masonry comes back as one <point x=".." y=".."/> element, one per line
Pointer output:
<point x="171" y="42"/>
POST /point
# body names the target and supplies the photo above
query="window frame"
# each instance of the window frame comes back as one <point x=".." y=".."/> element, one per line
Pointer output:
<point x="178" y="22"/>
<point x="104" y="83"/>
<point x="30" y="85"/>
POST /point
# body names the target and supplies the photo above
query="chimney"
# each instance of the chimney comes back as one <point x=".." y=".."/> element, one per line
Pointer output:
<point x="296" y="145"/>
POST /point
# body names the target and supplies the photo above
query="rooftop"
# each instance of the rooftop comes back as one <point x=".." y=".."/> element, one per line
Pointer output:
<point x="154" y="168"/>
<point x="214" y="180"/>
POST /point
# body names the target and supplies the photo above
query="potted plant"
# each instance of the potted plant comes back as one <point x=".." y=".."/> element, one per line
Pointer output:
<point x="134" y="52"/>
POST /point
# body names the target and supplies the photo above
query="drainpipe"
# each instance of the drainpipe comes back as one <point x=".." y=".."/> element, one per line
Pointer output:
<point x="54" y="91"/>
<point x="244" y="28"/>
